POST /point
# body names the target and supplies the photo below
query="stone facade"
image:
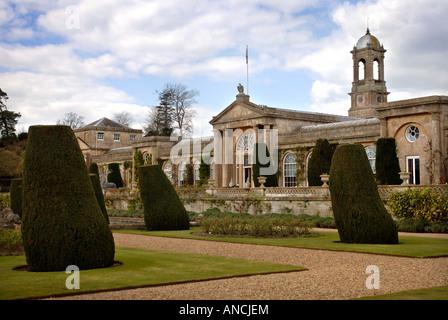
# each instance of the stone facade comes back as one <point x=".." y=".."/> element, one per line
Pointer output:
<point x="420" y="127"/>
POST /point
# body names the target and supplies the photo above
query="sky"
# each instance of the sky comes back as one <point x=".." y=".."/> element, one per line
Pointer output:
<point x="96" y="58"/>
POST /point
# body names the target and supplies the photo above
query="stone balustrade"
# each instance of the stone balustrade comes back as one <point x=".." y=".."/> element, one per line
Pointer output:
<point x="296" y="200"/>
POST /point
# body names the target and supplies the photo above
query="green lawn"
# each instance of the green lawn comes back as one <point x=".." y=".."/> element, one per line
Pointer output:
<point x="436" y="293"/>
<point x="411" y="246"/>
<point x="140" y="268"/>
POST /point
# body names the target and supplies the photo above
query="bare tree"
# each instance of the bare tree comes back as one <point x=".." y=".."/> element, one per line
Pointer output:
<point x="123" y="117"/>
<point x="182" y="100"/>
<point x="73" y="120"/>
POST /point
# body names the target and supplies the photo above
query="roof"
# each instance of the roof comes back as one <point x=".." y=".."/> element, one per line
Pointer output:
<point x="351" y="123"/>
<point x="263" y="110"/>
<point x="105" y="122"/>
<point x="368" y="40"/>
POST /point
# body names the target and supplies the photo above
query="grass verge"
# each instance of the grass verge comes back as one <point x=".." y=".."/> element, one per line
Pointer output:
<point x="435" y="293"/>
<point x="409" y="246"/>
<point x="140" y="268"/>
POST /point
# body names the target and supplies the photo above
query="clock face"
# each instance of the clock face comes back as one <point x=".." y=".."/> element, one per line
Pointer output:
<point x="361" y="100"/>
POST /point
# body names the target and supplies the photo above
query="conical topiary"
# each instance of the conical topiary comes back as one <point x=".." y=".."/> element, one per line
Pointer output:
<point x="386" y="162"/>
<point x="99" y="194"/>
<point x="93" y="168"/>
<point x="62" y="222"/>
<point x="16" y="194"/>
<point x="115" y="175"/>
<point x="359" y="213"/>
<point x="320" y="162"/>
<point x="163" y="209"/>
<point x="261" y="154"/>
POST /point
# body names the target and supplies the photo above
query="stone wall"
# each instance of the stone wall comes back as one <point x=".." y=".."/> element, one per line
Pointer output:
<point x="314" y="201"/>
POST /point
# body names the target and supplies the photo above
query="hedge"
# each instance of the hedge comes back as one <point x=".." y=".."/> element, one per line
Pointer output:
<point x="62" y="223"/>
<point x="163" y="209"/>
<point x="359" y="213"/>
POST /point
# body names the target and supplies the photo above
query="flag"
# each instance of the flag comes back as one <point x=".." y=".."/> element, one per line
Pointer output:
<point x="247" y="54"/>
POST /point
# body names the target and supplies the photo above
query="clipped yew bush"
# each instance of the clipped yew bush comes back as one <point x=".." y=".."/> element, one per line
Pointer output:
<point x="62" y="222"/>
<point x="114" y="175"/>
<point x="320" y="162"/>
<point x="386" y="162"/>
<point x="16" y="196"/>
<point x="163" y="209"/>
<point x="261" y="152"/>
<point x="94" y="178"/>
<point x="360" y="215"/>
<point x="93" y="168"/>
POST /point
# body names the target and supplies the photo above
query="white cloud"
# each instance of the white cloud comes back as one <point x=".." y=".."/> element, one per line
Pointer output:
<point x="52" y="69"/>
<point x="43" y="99"/>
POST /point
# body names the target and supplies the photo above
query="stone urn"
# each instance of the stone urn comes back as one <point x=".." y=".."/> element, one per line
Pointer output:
<point x="405" y="177"/>
<point x="325" y="178"/>
<point x="211" y="182"/>
<point x="261" y="181"/>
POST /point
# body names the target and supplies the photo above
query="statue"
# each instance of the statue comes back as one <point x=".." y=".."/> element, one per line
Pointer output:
<point x="240" y="88"/>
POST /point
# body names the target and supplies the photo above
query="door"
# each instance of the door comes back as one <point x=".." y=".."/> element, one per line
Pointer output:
<point x="413" y="166"/>
<point x="247" y="177"/>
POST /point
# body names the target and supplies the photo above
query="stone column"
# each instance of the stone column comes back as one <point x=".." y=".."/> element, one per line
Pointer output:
<point x="217" y="157"/>
<point x="227" y="152"/>
<point x="436" y="147"/>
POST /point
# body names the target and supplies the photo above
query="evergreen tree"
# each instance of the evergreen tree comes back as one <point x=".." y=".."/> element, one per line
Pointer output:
<point x="204" y="172"/>
<point x="260" y="158"/>
<point x="320" y="162"/>
<point x="163" y="209"/>
<point x="93" y="168"/>
<point x="95" y="180"/>
<point x="359" y="213"/>
<point x="114" y="174"/>
<point x="16" y="194"/>
<point x="62" y="222"/>
<point x="138" y="161"/>
<point x="386" y="163"/>
<point x="8" y="121"/>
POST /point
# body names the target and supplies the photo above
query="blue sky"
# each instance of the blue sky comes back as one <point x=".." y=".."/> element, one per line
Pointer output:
<point x="100" y="57"/>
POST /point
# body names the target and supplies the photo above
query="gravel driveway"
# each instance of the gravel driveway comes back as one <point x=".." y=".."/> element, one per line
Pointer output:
<point x="331" y="275"/>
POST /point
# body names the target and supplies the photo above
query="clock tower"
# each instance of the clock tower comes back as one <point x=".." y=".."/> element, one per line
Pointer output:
<point x="368" y="86"/>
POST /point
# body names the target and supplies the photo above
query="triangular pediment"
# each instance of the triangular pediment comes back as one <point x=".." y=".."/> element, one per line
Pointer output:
<point x="238" y="111"/>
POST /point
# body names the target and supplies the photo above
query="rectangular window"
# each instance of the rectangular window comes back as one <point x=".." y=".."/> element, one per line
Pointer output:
<point x="100" y="136"/>
<point x="116" y="137"/>
<point x="132" y="137"/>
<point x="413" y="166"/>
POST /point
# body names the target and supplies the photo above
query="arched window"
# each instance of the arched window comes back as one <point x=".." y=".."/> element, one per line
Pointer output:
<point x="168" y="169"/>
<point x="245" y="143"/>
<point x="289" y="170"/>
<point x="244" y="150"/>
<point x="182" y="173"/>
<point x="361" y="69"/>
<point x="376" y="70"/>
<point x="371" y="155"/>
<point x="196" y="164"/>
<point x="147" y="157"/>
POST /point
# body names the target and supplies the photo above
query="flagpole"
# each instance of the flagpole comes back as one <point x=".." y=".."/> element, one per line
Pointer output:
<point x="247" y="68"/>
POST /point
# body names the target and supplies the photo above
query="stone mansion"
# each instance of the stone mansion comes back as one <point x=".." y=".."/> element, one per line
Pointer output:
<point x="419" y="126"/>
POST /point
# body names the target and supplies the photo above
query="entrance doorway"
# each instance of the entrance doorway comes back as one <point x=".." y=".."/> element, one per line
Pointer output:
<point x="413" y="166"/>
